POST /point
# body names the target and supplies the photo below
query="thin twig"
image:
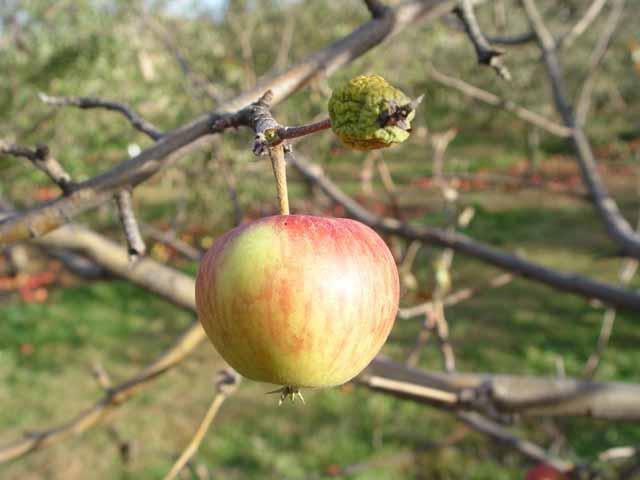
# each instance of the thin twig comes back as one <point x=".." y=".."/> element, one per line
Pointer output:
<point x="125" y="447"/>
<point x="455" y="297"/>
<point x="435" y="318"/>
<point x="584" y="98"/>
<point x="502" y="103"/>
<point x="408" y="388"/>
<point x="101" y="375"/>
<point x="170" y="238"/>
<point x="487" y="55"/>
<point x="226" y="384"/>
<point x="42" y="159"/>
<point x="127" y="217"/>
<point x="442" y="335"/>
<point x="389" y="187"/>
<point x="583" y="24"/>
<point x="618" y="453"/>
<point x="136" y="120"/>
<point x="496" y="431"/>
<point x="111" y="400"/>
<point x="285" y="133"/>
<point x="230" y="180"/>
<point x="199" y="84"/>
<point x="627" y="271"/>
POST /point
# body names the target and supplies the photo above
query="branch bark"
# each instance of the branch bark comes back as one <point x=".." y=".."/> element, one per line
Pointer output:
<point x="507" y="394"/>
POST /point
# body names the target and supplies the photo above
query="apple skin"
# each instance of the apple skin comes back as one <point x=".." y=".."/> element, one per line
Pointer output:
<point x="543" y="471"/>
<point x="298" y="300"/>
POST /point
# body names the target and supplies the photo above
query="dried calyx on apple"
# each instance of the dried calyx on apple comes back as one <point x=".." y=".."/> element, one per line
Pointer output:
<point x="368" y="113"/>
<point x="298" y="300"/>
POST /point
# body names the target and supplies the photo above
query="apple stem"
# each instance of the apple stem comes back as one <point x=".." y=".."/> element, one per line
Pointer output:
<point x="280" y="171"/>
<point x="302" y="130"/>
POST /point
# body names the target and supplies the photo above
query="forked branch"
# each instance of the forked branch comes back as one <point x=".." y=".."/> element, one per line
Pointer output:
<point x="617" y="226"/>
<point x="487" y="55"/>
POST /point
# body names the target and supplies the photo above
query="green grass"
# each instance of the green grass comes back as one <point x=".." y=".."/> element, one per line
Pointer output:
<point x="521" y="328"/>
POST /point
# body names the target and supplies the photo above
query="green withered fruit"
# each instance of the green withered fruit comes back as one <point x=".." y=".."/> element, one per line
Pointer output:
<point x="368" y="113"/>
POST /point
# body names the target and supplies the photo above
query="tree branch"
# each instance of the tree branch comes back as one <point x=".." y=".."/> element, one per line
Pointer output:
<point x="584" y="98"/>
<point x="455" y="297"/>
<point x="627" y="271"/>
<point x="226" y="384"/>
<point x="100" y="189"/>
<point x="136" y="120"/>
<point x="566" y="282"/>
<point x="583" y="24"/>
<point x="112" y="399"/>
<point x="487" y="55"/>
<point x="169" y="237"/>
<point x="617" y="226"/>
<point x="502" y="435"/>
<point x="130" y="226"/>
<point x="501" y="103"/>
<point x="376" y="8"/>
<point x="500" y="395"/>
<point x="43" y="160"/>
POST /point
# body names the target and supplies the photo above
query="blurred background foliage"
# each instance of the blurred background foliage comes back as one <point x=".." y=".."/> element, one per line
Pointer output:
<point x="173" y="60"/>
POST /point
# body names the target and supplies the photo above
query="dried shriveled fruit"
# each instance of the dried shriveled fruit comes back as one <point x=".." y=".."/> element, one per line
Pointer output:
<point x="368" y="113"/>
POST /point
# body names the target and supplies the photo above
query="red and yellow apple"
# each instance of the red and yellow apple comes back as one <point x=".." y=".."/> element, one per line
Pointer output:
<point x="297" y="300"/>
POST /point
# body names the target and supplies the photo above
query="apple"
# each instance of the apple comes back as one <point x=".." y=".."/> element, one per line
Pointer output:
<point x="298" y="300"/>
<point x="543" y="471"/>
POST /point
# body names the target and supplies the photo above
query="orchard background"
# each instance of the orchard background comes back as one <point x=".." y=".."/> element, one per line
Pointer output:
<point x="517" y="167"/>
